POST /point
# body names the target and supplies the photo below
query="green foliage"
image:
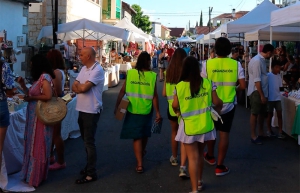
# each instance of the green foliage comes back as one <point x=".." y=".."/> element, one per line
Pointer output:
<point x="140" y="20"/>
<point x="290" y="47"/>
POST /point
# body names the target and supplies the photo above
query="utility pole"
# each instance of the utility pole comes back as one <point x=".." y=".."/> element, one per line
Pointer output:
<point x="55" y="27"/>
<point x="209" y="12"/>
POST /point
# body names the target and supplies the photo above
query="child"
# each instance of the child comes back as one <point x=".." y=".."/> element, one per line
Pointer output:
<point x="274" y="100"/>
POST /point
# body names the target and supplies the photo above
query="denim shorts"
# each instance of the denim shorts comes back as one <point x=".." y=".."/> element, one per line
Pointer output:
<point x="4" y="114"/>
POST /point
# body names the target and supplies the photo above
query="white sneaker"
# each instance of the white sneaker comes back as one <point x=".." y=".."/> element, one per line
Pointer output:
<point x="182" y="172"/>
<point x="173" y="161"/>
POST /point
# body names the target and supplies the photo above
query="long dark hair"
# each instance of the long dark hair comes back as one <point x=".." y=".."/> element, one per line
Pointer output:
<point x="175" y="66"/>
<point x="143" y="62"/>
<point x="56" y="60"/>
<point x="40" y="65"/>
<point x="191" y="73"/>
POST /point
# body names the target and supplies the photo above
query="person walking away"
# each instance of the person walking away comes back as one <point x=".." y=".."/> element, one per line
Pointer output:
<point x="172" y="78"/>
<point x="163" y="63"/>
<point x="170" y="51"/>
<point x="70" y="53"/>
<point x="154" y="58"/>
<point x="37" y="135"/>
<point x="140" y="89"/>
<point x="6" y="86"/>
<point x="56" y="60"/>
<point x="225" y="73"/>
<point x="89" y="87"/>
<point x="274" y="99"/>
<point x="258" y="92"/>
<point x="193" y="99"/>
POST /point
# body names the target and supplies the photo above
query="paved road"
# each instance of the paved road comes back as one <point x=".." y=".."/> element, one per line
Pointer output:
<point x="271" y="167"/>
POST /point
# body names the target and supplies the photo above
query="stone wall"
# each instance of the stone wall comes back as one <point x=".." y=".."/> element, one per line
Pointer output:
<point x="36" y="20"/>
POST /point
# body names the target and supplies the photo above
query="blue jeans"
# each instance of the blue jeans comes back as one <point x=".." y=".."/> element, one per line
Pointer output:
<point x="154" y="62"/>
<point x="88" y="126"/>
<point x="4" y="113"/>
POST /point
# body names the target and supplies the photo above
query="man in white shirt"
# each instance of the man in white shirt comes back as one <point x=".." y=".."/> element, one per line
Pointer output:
<point x="258" y="91"/>
<point x="70" y="54"/>
<point x="89" y="88"/>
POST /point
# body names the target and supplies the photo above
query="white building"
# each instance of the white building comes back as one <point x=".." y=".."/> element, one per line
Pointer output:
<point x="288" y="2"/>
<point x="156" y="29"/>
<point x="13" y="16"/>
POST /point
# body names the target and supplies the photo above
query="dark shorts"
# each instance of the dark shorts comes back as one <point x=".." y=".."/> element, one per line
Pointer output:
<point x="4" y="114"/>
<point x="274" y="105"/>
<point x="170" y="117"/>
<point x="256" y="106"/>
<point x="227" y="121"/>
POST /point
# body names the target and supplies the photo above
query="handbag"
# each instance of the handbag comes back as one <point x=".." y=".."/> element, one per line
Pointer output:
<point x="52" y="111"/>
<point x="161" y="61"/>
<point x="156" y="127"/>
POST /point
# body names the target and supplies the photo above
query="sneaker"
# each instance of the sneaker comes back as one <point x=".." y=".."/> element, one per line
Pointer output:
<point x="256" y="141"/>
<point x="270" y="134"/>
<point x="182" y="172"/>
<point x="221" y="170"/>
<point x="200" y="185"/>
<point x="210" y="160"/>
<point x="173" y="161"/>
<point x="57" y="166"/>
<point x="280" y="136"/>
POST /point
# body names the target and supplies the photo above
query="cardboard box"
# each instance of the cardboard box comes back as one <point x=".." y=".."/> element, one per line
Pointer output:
<point x="122" y="109"/>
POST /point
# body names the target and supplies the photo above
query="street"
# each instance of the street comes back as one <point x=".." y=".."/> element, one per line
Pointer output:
<point x="271" y="167"/>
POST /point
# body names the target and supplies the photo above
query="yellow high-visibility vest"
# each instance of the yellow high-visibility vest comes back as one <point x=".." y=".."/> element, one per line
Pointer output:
<point x="224" y="73"/>
<point x="195" y="111"/>
<point x="140" y="91"/>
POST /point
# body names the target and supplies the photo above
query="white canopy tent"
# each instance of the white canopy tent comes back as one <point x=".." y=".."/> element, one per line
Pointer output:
<point x="287" y="17"/>
<point x="279" y="34"/>
<point x="256" y="18"/>
<point x="185" y="39"/>
<point x="86" y="29"/>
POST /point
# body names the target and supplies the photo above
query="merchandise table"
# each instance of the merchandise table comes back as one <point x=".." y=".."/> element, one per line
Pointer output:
<point x="289" y="107"/>
<point x="125" y="67"/>
<point x="14" y="144"/>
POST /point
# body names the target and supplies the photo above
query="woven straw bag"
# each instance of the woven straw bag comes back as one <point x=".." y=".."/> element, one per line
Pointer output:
<point x="51" y="112"/>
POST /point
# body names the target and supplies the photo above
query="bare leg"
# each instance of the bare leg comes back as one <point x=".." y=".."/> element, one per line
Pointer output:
<point x="2" y="137"/>
<point x="269" y="120"/>
<point x="223" y="146"/>
<point x="253" y="122"/>
<point x="261" y="119"/>
<point x="193" y="156"/>
<point x="160" y="73"/>
<point x="279" y="116"/>
<point x="59" y="144"/>
<point x="138" y="151"/>
<point x="210" y="147"/>
<point x="183" y="155"/>
<point x="174" y="143"/>
<point x="201" y="160"/>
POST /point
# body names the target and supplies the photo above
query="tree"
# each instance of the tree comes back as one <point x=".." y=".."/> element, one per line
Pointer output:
<point x="140" y="20"/>
<point x="201" y="19"/>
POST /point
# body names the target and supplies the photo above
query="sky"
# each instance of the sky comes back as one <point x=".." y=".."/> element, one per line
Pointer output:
<point x="177" y="13"/>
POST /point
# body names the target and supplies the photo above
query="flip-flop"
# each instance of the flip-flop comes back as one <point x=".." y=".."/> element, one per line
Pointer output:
<point x="139" y="169"/>
<point x="84" y="180"/>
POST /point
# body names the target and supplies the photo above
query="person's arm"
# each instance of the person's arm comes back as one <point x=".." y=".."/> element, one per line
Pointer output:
<point x="58" y="82"/>
<point x="45" y="95"/>
<point x="257" y="80"/>
<point x="241" y="78"/>
<point x="164" y="93"/>
<point x="175" y="105"/>
<point x="82" y="88"/>
<point x="286" y="65"/>
<point x="156" y="105"/>
<point x="218" y="103"/>
<point x="120" y="96"/>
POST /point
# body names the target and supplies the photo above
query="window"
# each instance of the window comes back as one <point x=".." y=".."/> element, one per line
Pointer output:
<point x="98" y="2"/>
<point x="118" y="9"/>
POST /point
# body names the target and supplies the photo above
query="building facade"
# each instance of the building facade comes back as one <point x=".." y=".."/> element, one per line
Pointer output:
<point x="289" y="2"/>
<point x="41" y="14"/>
<point x="156" y="29"/>
<point x="111" y="11"/>
<point x="127" y="11"/>
<point x="227" y="17"/>
<point x="165" y="33"/>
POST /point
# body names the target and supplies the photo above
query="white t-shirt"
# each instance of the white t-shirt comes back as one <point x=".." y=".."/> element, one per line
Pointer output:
<point x="91" y="101"/>
<point x="275" y="82"/>
<point x="226" y="106"/>
<point x="63" y="81"/>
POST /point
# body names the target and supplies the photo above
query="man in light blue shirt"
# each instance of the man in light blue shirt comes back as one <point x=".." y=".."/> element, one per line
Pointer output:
<point x="258" y="91"/>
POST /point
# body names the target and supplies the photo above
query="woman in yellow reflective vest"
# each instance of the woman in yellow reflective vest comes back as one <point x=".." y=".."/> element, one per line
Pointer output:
<point x="193" y="98"/>
<point x="140" y="89"/>
<point x="172" y="78"/>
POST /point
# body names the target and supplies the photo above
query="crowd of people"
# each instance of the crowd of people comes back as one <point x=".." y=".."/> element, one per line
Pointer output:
<point x="201" y="100"/>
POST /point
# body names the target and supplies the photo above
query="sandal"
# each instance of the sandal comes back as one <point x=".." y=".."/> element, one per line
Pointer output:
<point x="83" y="180"/>
<point x="200" y="185"/>
<point x="139" y="169"/>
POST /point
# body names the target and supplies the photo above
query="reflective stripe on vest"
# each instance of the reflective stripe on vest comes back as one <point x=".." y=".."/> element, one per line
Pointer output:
<point x="195" y="111"/>
<point x="140" y="91"/>
<point x="224" y="73"/>
<point x="170" y="97"/>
